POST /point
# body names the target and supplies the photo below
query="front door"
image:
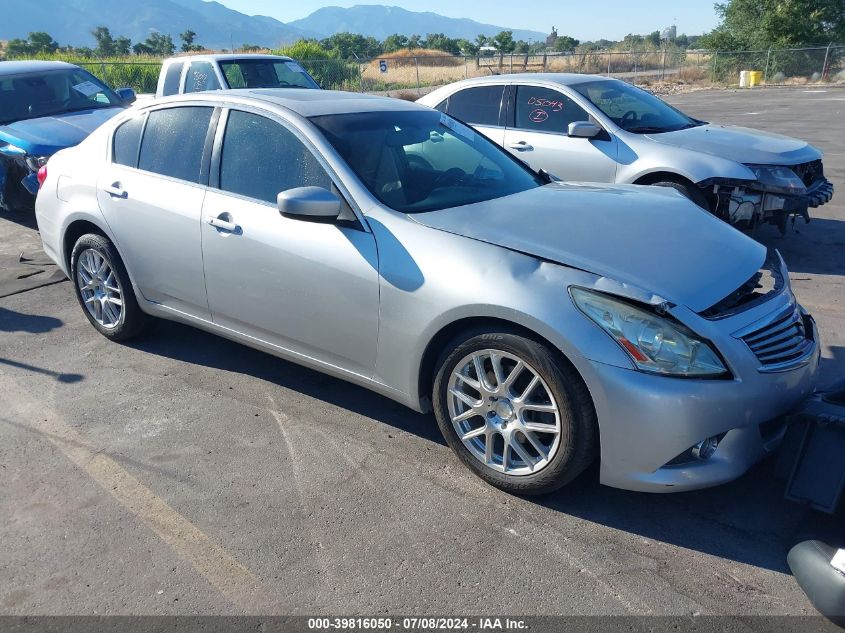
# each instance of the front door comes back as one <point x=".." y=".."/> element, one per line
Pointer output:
<point x="309" y="287"/>
<point x="539" y="136"/>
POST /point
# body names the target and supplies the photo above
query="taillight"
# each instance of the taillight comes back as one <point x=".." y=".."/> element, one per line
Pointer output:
<point x="41" y="175"/>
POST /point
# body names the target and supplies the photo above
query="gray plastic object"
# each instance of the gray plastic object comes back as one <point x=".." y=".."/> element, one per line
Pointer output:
<point x="813" y="454"/>
<point x="824" y="585"/>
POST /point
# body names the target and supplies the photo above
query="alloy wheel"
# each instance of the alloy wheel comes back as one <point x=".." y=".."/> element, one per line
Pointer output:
<point x="504" y="412"/>
<point x="100" y="288"/>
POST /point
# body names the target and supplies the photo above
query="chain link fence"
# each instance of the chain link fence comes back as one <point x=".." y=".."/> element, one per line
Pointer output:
<point x="415" y="75"/>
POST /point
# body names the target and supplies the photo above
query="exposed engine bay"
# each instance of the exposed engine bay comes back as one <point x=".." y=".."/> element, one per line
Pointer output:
<point x="779" y="193"/>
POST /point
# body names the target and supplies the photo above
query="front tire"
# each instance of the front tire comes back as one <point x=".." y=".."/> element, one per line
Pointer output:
<point x="104" y="290"/>
<point x="515" y="412"/>
<point x="690" y="191"/>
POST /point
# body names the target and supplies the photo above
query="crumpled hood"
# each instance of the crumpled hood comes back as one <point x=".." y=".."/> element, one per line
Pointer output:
<point x="650" y="237"/>
<point x="741" y="144"/>
<point x="47" y="135"/>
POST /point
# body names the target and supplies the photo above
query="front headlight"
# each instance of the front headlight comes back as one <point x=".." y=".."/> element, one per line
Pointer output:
<point x="655" y="344"/>
<point x="778" y="179"/>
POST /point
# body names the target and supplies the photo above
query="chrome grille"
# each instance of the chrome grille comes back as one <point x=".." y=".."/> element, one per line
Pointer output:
<point x="782" y="340"/>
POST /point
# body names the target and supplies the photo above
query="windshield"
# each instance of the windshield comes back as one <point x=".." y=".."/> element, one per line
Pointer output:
<point x="52" y="92"/>
<point x="266" y="73"/>
<point x="421" y="161"/>
<point x="633" y="109"/>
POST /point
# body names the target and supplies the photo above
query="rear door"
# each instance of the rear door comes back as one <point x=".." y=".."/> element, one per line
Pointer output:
<point x="306" y="286"/>
<point x="482" y="107"/>
<point x="538" y="134"/>
<point x="151" y="195"/>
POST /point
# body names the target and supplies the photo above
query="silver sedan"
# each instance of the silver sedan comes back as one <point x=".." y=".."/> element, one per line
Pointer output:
<point x="591" y="128"/>
<point x="390" y="245"/>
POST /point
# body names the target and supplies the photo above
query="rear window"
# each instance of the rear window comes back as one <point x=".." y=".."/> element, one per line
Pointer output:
<point x="266" y="73"/>
<point x="174" y="140"/>
<point x="478" y="106"/>
<point x="201" y="77"/>
<point x="171" y="80"/>
<point x="127" y="139"/>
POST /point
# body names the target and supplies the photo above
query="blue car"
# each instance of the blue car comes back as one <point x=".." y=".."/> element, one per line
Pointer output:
<point x="45" y="107"/>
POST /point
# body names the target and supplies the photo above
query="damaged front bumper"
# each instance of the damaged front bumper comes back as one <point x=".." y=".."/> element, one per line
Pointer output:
<point x="18" y="177"/>
<point x="779" y="193"/>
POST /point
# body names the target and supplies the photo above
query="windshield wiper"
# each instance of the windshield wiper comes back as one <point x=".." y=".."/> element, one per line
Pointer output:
<point x="644" y="129"/>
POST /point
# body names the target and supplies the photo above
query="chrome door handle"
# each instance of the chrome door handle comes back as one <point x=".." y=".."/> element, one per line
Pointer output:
<point x="115" y="191"/>
<point x="223" y="225"/>
<point x="520" y="146"/>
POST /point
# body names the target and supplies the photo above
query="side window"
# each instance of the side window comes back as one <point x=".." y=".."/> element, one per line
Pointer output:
<point x="201" y="77"/>
<point x="261" y="157"/>
<point x="478" y="106"/>
<point x="546" y="110"/>
<point x="171" y="79"/>
<point x="127" y="139"/>
<point x="174" y="140"/>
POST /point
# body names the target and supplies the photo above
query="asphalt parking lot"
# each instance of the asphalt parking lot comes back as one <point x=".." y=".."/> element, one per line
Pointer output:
<point x="185" y="474"/>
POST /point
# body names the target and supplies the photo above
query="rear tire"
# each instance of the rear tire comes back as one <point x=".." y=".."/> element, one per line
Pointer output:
<point x="104" y="290"/>
<point x="690" y="191"/>
<point x="526" y="451"/>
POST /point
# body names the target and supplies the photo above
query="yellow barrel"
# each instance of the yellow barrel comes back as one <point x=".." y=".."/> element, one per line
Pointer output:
<point x="755" y="78"/>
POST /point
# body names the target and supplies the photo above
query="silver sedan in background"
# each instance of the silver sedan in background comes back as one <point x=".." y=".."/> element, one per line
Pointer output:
<point x="591" y="128"/>
<point x="385" y="243"/>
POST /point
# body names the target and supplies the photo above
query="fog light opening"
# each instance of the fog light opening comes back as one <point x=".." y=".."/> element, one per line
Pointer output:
<point x="706" y="448"/>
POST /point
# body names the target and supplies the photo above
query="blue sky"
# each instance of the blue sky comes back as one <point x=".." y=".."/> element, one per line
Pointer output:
<point x="585" y="20"/>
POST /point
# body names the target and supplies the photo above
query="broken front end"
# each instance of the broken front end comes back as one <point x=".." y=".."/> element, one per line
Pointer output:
<point x="779" y="193"/>
<point x="18" y="178"/>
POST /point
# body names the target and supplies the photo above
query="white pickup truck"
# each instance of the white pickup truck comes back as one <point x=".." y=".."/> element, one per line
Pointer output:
<point x="198" y="73"/>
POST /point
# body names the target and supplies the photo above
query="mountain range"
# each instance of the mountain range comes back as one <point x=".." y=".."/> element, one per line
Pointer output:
<point x="379" y="21"/>
<point x="217" y="27"/>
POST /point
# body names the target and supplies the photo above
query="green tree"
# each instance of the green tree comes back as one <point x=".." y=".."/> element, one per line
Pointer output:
<point x="415" y="41"/>
<point x="395" y="42"/>
<point x="504" y="42"/>
<point x="105" y="41"/>
<point x="352" y="45"/>
<point x="188" y="38"/>
<point x="142" y="49"/>
<point x="161" y="44"/>
<point x="122" y="45"/>
<point x="18" y="48"/>
<point x="481" y="40"/>
<point x="653" y="38"/>
<point x="440" y="42"/>
<point x="760" y="24"/>
<point x="42" y="42"/>
<point x="566" y="43"/>
<point x="467" y="47"/>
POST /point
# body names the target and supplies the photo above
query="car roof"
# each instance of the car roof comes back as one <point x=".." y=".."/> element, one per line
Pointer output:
<point x="564" y="79"/>
<point x="31" y="66"/>
<point x="305" y="101"/>
<point x="216" y="57"/>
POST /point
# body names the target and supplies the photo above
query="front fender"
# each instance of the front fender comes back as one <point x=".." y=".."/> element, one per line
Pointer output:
<point x="693" y="166"/>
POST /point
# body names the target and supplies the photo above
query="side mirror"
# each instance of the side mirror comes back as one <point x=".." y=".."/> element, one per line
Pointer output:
<point x="127" y="95"/>
<point x="309" y="203"/>
<point x="583" y="129"/>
